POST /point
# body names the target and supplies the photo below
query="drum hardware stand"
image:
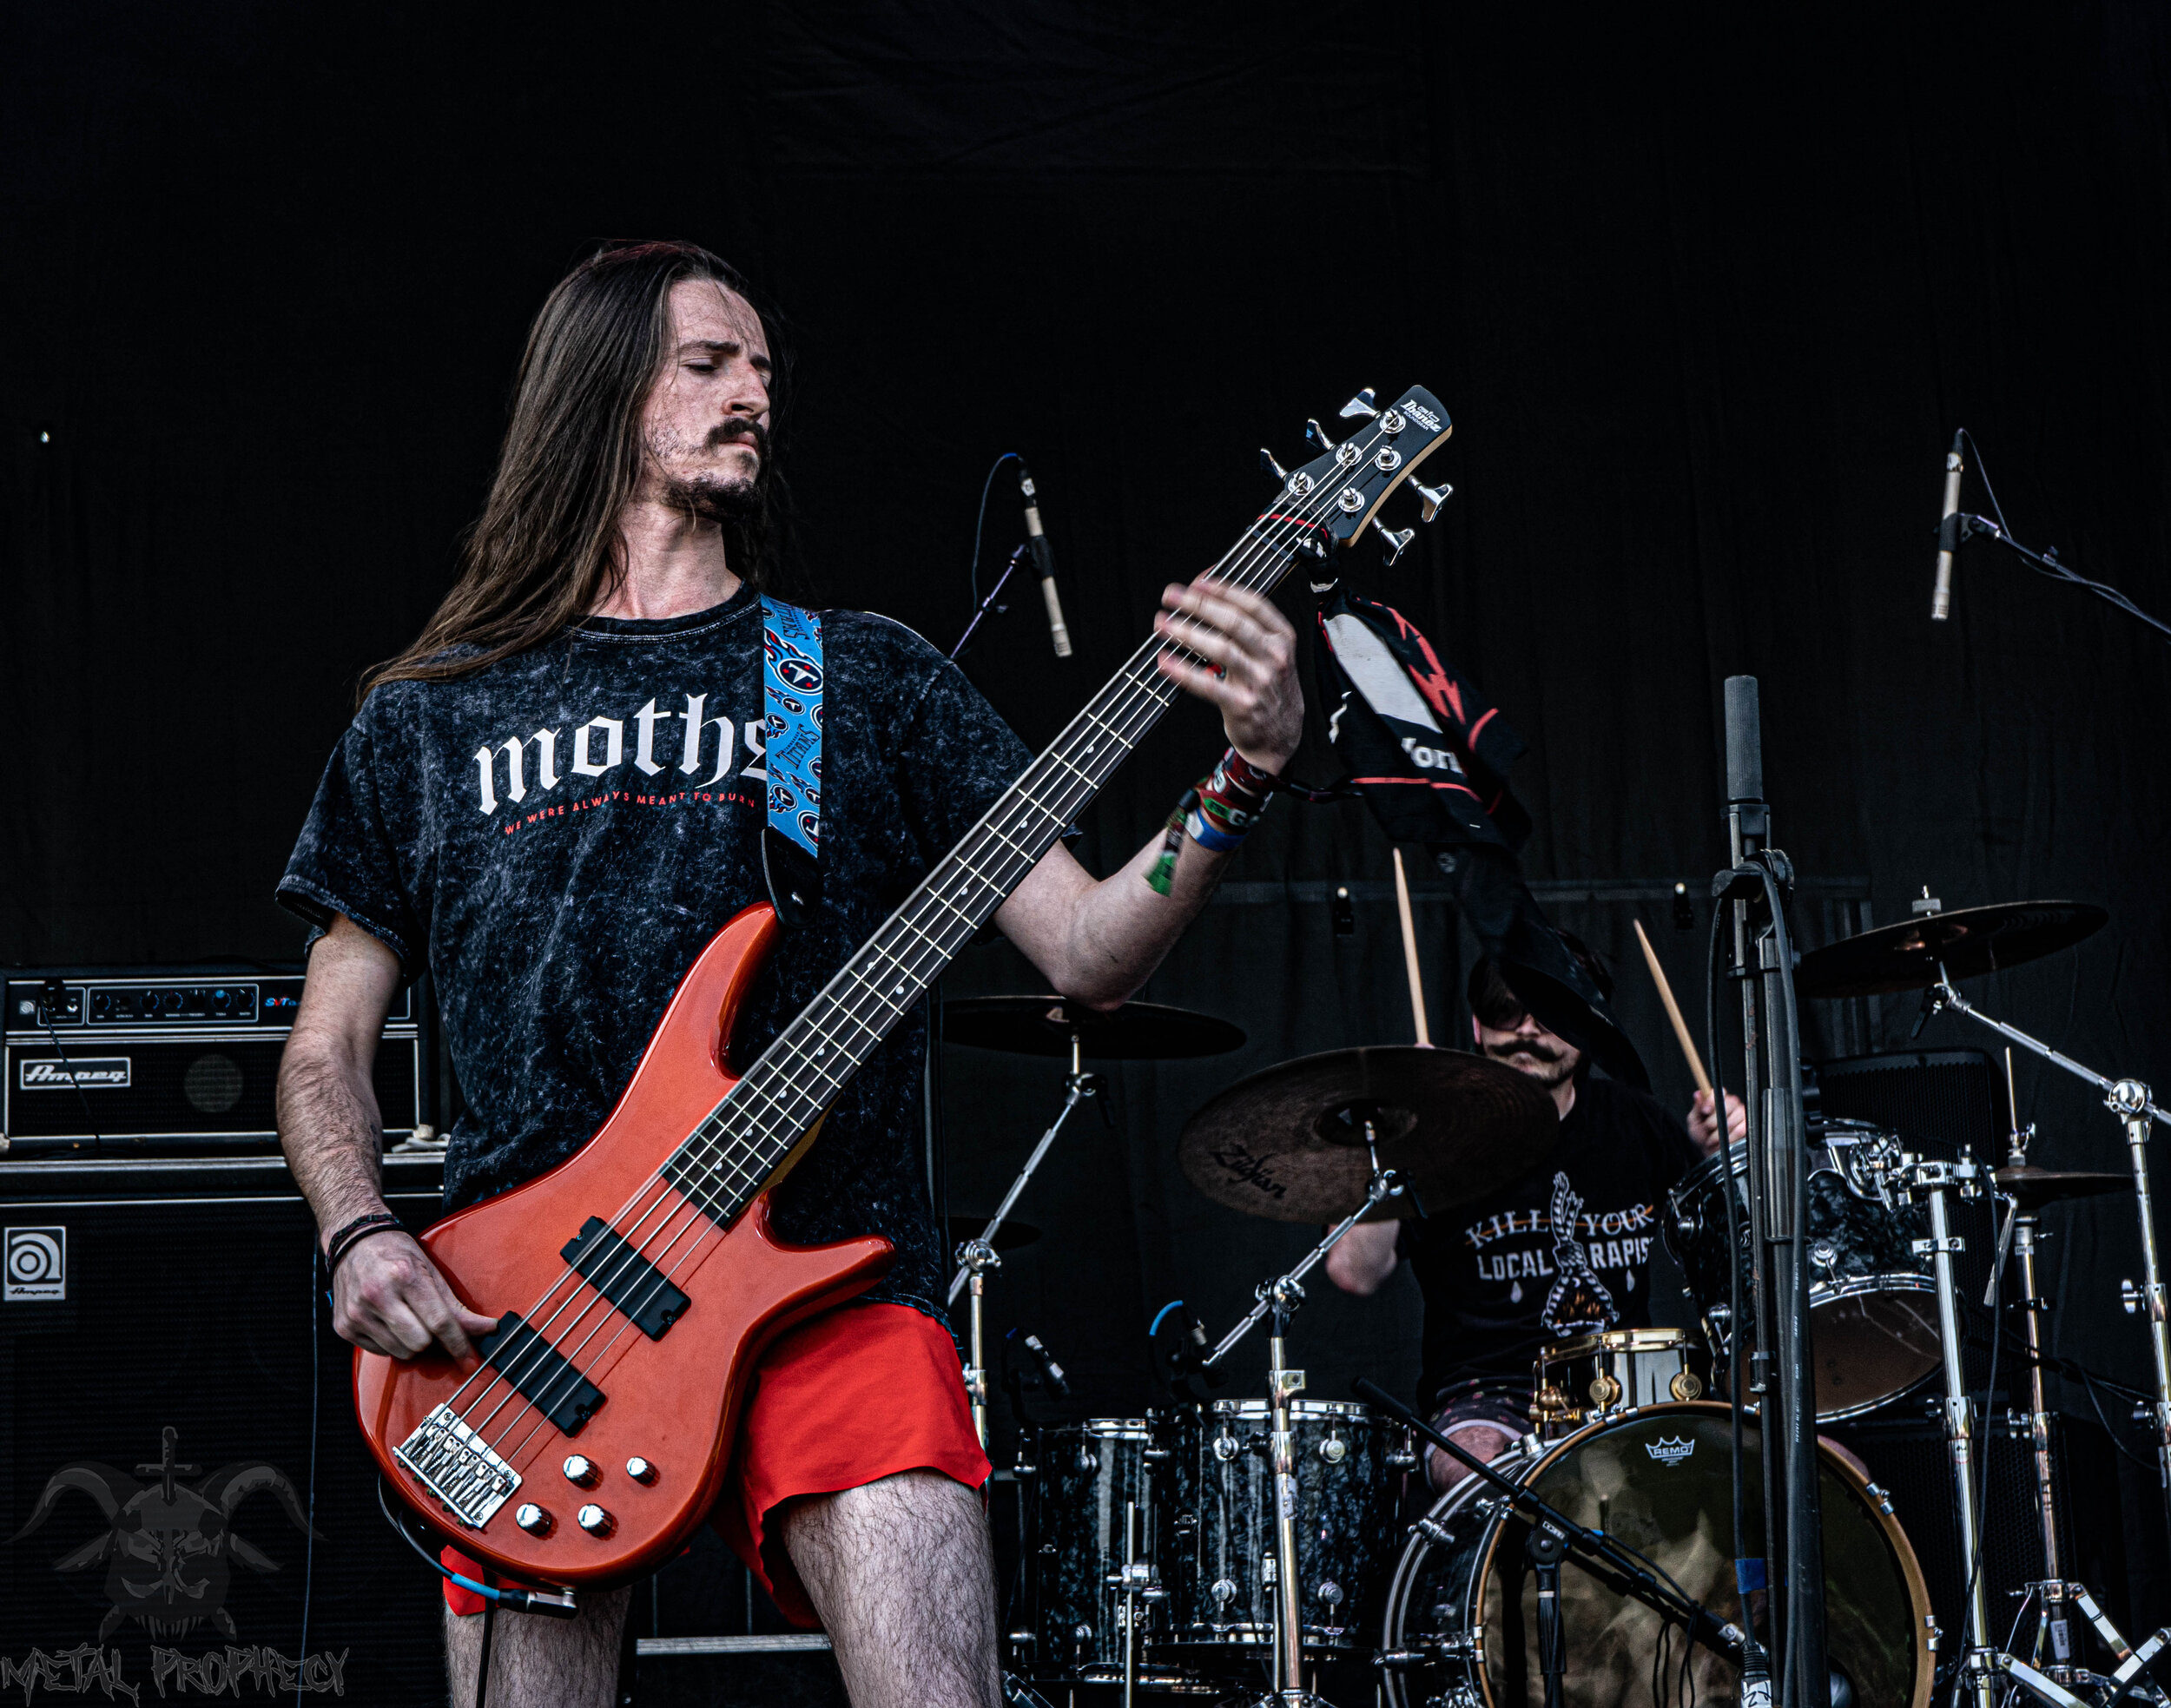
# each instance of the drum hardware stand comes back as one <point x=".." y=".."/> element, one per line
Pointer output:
<point x="1591" y="1550"/>
<point x="1280" y="1297"/>
<point x="2130" y="1105"/>
<point x="976" y="1256"/>
<point x="1935" y="1182"/>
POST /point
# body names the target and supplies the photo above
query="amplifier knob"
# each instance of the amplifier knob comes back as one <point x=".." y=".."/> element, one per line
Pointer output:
<point x="581" y="1471"/>
<point x="532" y="1519"/>
<point x="594" y="1520"/>
<point x="639" y="1470"/>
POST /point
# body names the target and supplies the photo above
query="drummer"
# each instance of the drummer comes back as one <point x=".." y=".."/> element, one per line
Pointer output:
<point x="1565" y="1250"/>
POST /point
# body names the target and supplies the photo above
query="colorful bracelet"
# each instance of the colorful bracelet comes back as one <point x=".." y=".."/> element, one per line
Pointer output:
<point x="1218" y="813"/>
<point x="345" y="1239"/>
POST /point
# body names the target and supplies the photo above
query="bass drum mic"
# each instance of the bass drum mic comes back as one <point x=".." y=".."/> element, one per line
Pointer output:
<point x="1948" y="532"/>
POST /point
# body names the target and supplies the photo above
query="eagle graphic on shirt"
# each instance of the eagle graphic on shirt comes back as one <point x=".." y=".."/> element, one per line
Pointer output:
<point x="1579" y="1302"/>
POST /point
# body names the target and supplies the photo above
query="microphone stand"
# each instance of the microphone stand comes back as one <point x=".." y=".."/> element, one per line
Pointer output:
<point x="1017" y="557"/>
<point x="1961" y="526"/>
<point x="1782" y="1367"/>
<point x="1591" y="1550"/>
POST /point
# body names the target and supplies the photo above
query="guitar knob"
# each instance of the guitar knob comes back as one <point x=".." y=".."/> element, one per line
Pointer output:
<point x="581" y="1471"/>
<point x="1267" y="462"/>
<point x="1396" y="543"/>
<point x="532" y="1519"/>
<point x="639" y="1470"/>
<point x="1360" y="407"/>
<point x="1317" y="435"/>
<point x="595" y="1522"/>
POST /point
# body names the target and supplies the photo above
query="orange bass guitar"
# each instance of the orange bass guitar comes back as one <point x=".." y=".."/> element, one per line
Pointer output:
<point x="635" y="1284"/>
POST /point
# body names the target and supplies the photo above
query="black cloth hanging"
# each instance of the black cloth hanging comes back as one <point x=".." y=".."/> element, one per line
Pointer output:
<point x="1430" y="755"/>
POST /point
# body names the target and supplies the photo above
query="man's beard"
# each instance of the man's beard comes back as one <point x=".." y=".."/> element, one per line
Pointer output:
<point x="1546" y="1065"/>
<point x="721" y="497"/>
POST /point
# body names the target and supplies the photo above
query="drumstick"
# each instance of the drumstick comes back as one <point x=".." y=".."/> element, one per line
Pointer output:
<point x="1674" y="1011"/>
<point x="1409" y="953"/>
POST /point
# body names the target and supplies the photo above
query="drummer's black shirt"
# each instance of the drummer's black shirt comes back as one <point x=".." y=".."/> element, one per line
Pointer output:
<point x="1564" y="1251"/>
<point x="556" y="836"/>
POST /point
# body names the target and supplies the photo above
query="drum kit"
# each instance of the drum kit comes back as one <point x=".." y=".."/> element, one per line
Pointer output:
<point x="1229" y="1548"/>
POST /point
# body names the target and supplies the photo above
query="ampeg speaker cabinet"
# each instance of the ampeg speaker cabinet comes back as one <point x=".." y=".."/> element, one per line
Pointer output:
<point x="173" y="1060"/>
<point x="185" y="1501"/>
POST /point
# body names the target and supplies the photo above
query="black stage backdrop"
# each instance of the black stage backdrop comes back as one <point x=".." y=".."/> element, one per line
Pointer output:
<point x="1707" y="306"/>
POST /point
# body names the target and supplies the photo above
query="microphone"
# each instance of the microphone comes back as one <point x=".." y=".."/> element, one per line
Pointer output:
<point x="1049" y="1369"/>
<point x="1044" y="561"/>
<point x="1948" y="534"/>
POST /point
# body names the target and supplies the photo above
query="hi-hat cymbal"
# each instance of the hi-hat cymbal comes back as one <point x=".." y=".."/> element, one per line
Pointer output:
<point x="2033" y="1186"/>
<point x="1288" y="1143"/>
<point x="1008" y="1237"/>
<point x="1043" y="1025"/>
<point x="1966" y="942"/>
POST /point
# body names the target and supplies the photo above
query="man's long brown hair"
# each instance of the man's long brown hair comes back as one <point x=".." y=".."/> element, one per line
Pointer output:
<point x="547" y="547"/>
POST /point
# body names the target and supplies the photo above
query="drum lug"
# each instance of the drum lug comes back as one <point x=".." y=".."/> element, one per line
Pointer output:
<point x="1434" y="1532"/>
<point x="1883" y="1499"/>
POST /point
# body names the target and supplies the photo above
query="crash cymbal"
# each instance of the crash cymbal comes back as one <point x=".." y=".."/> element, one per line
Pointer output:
<point x="1042" y="1026"/>
<point x="2033" y="1186"/>
<point x="1966" y="942"/>
<point x="1288" y="1144"/>
<point x="1008" y="1237"/>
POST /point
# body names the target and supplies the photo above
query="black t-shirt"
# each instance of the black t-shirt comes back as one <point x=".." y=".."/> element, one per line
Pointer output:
<point x="1498" y="1279"/>
<point x="557" y="837"/>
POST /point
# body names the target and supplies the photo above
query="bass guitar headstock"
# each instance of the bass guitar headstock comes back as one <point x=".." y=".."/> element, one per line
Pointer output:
<point x="1339" y="493"/>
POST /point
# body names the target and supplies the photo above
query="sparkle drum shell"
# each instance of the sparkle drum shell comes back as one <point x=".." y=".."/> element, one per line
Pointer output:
<point x="1873" y="1307"/>
<point x="1347" y="1485"/>
<point x="1092" y="1481"/>
<point x="1461" y="1624"/>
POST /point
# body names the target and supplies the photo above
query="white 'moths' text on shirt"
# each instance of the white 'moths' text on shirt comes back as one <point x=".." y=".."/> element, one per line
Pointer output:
<point x="599" y="746"/>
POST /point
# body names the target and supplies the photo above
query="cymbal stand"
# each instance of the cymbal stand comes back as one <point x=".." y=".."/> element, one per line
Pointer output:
<point x="2129" y="1104"/>
<point x="975" y="1257"/>
<point x="1280" y="1298"/>
<point x="1934" y="1182"/>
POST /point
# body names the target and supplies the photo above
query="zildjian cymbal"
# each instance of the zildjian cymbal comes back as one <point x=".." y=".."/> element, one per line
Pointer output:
<point x="1288" y="1143"/>
<point x="1966" y="943"/>
<point x="1043" y="1025"/>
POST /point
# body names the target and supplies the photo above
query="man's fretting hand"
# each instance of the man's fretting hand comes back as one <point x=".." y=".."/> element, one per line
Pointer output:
<point x="387" y="1297"/>
<point x="1254" y="652"/>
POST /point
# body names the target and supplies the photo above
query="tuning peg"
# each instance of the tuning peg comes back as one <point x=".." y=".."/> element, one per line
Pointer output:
<point x="1317" y="435"/>
<point x="1360" y="407"/>
<point x="1396" y="543"/>
<point x="1267" y="462"/>
<point x="1433" y="496"/>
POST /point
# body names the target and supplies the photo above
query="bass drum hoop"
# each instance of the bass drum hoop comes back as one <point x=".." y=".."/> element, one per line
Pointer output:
<point x="1529" y="1467"/>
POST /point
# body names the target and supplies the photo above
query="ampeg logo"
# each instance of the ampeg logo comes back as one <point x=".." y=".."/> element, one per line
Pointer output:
<point x="35" y="1262"/>
<point x="91" y="1073"/>
<point x="1670" y="1452"/>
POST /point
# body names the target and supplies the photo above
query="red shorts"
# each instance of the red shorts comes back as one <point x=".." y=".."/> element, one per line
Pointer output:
<point x="847" y="1398"/>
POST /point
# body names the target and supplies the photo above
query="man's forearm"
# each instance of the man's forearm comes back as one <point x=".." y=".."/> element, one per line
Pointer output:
<point x="331" y="1131"/>
<point x="1123" y="928"/>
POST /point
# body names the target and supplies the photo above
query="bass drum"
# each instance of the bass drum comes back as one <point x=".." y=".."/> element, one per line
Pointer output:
<point x="1461" y="1625"/>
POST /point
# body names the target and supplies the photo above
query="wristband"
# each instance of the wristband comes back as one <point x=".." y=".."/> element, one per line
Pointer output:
<point x="345" y="1239"/>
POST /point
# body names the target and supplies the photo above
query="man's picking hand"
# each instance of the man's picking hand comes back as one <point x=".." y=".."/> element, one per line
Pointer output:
<point x="387" y="1297"/>
<point x="1250" y="669"/>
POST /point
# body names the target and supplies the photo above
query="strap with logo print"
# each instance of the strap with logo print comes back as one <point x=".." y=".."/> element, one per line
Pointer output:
<point x="791" y="732"/>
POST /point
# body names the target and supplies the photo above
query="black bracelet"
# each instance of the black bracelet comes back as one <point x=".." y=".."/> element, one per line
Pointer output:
<point x="347" y="1238"/>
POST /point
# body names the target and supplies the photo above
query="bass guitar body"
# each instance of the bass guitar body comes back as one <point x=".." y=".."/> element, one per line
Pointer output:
<point x="593" y="1466"/>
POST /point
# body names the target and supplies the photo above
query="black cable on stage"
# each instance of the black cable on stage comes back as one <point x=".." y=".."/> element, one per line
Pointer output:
<point x="316" y="1374"/>
<point x="97" y="1144"/>
<point x="980" y="521"/>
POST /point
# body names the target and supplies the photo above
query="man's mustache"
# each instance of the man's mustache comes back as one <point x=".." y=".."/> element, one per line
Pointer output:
<point x="734" y="432"/>
<point x="1522" y="1046"/>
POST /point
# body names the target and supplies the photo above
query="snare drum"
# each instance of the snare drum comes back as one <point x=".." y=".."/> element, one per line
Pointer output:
<point x="1608" y="1374"/>
<point x="1873" y="1306"/>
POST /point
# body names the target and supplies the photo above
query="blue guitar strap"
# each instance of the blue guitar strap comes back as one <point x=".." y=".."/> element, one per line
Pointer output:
<point x="791" y="717"/>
